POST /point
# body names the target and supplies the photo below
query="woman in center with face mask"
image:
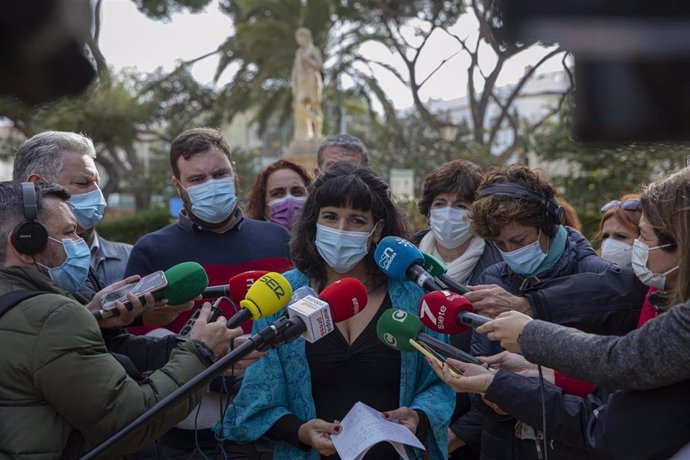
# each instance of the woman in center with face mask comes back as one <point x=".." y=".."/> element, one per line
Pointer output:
<point x="447" y="196"/>
<point x="297" y="393"/>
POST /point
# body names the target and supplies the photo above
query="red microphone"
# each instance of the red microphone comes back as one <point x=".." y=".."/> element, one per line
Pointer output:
<point x="346" y="298"/>
<point x="236" y="290"/>
<point x="314" y="318"/>
<point x="237" y="286"/>
<point x="448" y="313"/>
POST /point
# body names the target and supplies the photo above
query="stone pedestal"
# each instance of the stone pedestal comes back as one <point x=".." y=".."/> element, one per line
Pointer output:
<point x="303" y="153"/>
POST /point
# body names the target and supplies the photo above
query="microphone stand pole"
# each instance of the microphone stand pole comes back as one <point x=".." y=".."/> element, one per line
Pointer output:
<point x="256" y="341"/>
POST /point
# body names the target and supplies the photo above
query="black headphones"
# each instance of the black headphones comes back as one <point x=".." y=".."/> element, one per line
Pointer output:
<point x="29" y="237"/>
<point x="553" y="213"/>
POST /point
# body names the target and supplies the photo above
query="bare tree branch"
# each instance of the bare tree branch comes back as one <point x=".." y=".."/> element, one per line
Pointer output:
<point x="438" y="67"/>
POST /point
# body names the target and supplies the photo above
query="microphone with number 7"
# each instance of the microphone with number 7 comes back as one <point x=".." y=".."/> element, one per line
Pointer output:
<point x="396" y="328"/>
<point x="401" y="260"/>
<point x="313" y="318"/>
<point x="448" y="313"/>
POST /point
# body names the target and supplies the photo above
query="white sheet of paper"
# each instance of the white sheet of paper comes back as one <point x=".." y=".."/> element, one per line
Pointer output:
<point x="363" y="427"/>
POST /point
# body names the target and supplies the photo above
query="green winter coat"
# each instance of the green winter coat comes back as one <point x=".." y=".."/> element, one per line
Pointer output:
<point x="56" y="376"/>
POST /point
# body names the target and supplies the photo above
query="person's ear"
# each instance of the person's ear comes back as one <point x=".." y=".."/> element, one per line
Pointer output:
<point x="35" y="178"/>
<point x="177" y="185"/>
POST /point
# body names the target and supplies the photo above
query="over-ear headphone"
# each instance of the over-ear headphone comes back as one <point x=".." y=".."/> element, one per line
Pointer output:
<point x="29" y="237"/>
<point x="553" y="213"/>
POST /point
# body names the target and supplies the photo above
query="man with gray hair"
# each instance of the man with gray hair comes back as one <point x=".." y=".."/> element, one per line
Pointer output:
<point x="59" y="389"/>
<point x="67" y="158"/>
<point x="340" y="148"/>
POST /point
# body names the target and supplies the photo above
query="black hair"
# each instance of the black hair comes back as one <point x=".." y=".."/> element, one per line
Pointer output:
<point x="343" y="185"/>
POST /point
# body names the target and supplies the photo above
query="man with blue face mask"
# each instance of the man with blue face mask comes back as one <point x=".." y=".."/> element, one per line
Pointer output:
<point x="67" y="159"/>
<point x="211" y="230"/>
<point x="57" y="379"/>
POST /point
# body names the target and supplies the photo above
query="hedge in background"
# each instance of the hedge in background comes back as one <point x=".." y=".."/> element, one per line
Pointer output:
<point x="130" y="229"/>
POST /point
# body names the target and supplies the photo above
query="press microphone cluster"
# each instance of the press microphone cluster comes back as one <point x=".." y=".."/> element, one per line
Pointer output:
<point x="398" y="329"/>
<point x="338" y="302"/>
<point x="448" y="313"/>
<point x="314" y="317"/>
<point x="263" y="297"/>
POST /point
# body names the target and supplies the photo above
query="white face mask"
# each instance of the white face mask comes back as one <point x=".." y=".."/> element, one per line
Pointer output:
<point x="640" y="254"/>
<point x="617" y="251"/>
<point x="449" y="226"/>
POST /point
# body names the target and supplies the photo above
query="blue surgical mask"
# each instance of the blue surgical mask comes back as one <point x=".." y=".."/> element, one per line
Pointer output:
<point x="525" y="260"/>
<point x="340" y="249"/>
<point x="72" y="274"/>
<point x="450" y="226"/>
<point x="88" y="208"/>
<point x="214" y="200"/>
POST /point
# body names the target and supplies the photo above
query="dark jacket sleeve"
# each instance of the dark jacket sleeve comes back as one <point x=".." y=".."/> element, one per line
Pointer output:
<point x="601" y="303"/>
<point x="91" y="390"/>
<point x="642" y="424"/>
<point x="654" y="355"/>
<point x="567" y="416"/>
<point x="146" y="353"/>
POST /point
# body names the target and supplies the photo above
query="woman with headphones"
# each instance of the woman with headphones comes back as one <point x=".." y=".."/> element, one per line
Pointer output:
<point x="517" y="211"/>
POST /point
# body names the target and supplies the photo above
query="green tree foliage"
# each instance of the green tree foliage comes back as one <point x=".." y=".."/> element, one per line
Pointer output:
<point x="596" y="174"/>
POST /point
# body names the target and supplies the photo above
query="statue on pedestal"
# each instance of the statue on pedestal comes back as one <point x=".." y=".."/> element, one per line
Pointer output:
<point x="307" y="89"/>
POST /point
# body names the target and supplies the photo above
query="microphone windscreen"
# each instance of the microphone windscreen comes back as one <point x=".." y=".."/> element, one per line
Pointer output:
<point x="394" y="256"/>
<point x="395" y="328"/>
<point x="346" y="297"/>
<point x="186" y="281"/>
<point x="267" y="295"/>
<point x="433" y="265"/>
<point x="439" y="311"/>
<point x="240" y="283"/>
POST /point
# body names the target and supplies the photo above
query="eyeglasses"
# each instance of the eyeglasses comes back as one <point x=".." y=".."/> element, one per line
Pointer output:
<point x="628" y="205"/>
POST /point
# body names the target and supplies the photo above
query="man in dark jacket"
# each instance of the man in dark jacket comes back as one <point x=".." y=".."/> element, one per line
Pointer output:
<point x="57" y="378"/>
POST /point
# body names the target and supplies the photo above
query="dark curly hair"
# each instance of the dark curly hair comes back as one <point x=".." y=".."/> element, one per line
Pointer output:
<point x="344" y="185"/>
<point x="491" y="213"/>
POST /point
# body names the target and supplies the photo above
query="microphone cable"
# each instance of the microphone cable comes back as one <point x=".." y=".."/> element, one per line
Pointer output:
<point x="543" y="414"/>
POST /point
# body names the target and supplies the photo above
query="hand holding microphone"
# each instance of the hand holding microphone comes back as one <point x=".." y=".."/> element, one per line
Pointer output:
<point x="215" y="334"/>
<point x="448" y="313"/>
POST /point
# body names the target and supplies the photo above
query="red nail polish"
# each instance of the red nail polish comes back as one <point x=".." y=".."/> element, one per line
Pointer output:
<point x="337" y="429"/>
<point x="385" y="415"/>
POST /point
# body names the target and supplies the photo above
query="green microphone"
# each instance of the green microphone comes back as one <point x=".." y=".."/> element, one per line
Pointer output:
<point x="434" y="266"/>
<point x="395" y="328"/>
<point x="179" y="284"/>
<point x="186" y="281"/>
<point x="438" y="270"/>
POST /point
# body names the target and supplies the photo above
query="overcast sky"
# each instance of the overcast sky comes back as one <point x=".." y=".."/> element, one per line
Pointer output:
<point x="129" y="39"/>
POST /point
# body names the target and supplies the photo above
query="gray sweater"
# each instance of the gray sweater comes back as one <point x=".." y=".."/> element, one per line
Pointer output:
<point x="657" y="354"/>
